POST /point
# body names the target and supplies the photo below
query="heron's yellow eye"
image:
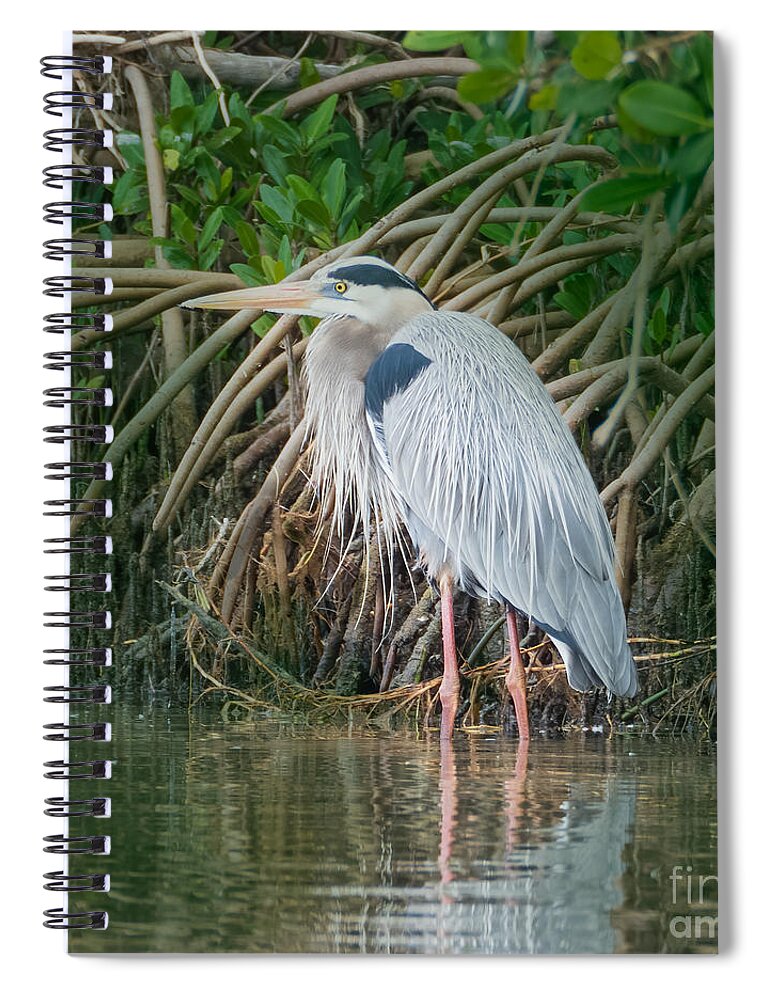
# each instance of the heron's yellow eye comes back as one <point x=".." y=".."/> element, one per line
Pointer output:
<point x="340" y="287"/>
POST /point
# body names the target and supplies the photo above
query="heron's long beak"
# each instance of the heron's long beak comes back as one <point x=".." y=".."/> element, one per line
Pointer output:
<point x="278" y="298"/>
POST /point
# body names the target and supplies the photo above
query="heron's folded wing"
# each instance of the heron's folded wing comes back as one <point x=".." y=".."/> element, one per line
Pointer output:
<point x="487" y="469"/>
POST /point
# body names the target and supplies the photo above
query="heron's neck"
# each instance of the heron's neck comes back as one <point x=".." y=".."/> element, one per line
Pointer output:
<point x="343" y="348"/>
<point x="339" y="354"/>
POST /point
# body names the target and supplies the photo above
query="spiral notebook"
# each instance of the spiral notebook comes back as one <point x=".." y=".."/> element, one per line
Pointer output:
<point x="382" y="366"/>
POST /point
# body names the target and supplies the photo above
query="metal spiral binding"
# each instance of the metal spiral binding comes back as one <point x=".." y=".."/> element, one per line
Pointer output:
<point x="65" y="284"/>
<point x="57" y="139"/>
<point x="60" y="174"/>
<point x="54" y="66"/>
<point x="60" y="361"/>
<point x="68" y="105"/>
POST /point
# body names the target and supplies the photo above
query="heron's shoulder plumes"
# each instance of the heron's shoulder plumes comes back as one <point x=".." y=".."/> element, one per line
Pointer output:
<point x="495" y="486"/>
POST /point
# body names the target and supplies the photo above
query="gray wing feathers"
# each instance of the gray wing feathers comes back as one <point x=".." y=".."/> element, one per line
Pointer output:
<point x="496" y="487"/>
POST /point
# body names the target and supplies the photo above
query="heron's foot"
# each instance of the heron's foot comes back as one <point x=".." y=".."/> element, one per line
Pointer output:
<point x="449" y="693"/>
<point x="517" y="686"/>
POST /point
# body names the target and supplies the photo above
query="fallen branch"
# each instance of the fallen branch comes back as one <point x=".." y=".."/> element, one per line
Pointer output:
<point x="238" y="68"/>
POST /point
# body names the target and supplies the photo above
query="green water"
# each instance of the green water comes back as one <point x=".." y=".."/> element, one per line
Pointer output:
<point x="261" y="836"/>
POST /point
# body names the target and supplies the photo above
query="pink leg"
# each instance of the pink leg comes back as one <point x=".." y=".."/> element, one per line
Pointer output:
<point x="449" y="692"/>
<point x="516" y="678"/>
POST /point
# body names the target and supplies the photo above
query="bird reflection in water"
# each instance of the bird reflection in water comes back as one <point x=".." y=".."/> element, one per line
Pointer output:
<point x="318" y="840"/>
<point x="514" y="787"/>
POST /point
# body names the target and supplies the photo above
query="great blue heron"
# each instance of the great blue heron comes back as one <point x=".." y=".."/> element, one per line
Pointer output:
<point x="435" y="420"/>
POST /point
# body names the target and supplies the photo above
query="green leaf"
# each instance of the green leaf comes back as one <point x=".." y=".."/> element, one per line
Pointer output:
<point x="260" y="327"/>
<point x="274" y="269"/>
<point x="590" y="98"/>
<point x="694" y="156"/>
<point x="248" y="239"/>
<point x="188" y="193"/>
<point x="545" y="98"/>
<point x="206" y="169"/>
<point x="631" y="129"/>
<point x="222" y="136"/>
<point x="684" y="63"/>
<point x="208" y="257"/>
<point x="576" y="295"/>
<point x="703" y="49"/>
<point x="704" y="324"/>
<point x="271" y="217"/>
<point x="679" y="199"/>
<point x="349" y="212"/>
<point x="486" y="85"/>
<point x="130" y="145"/>
<point x="237" y="108"/>
<point x="308" y="74"/>
<point x="206" y="113"/>
<point x="620" y="193"/>
<point x="315" y="212"/>
<point x="227" y="181"/>
<point x="230" y="216"/>
<point x="278" y="202"/>
<point x="171" y="159"/>
<point x="596" y="54"/>
<point x="516" y="44"/>
<point x="248" y="275"/>
<point x="326" y="141"/>
<point x="129" y="194"/>
<point x="333" y="187"/>
<point x="315" y="125"/>
<point x="284" y="253"/>
<point x="210" y="229"/>
<point x="180" y="258"/>
<point x="180" y="94"/>
<point x="275" y="163"/>
<point x="301" y="189"/>
<point x="283" y="133"/>
<point x="182" y="226"/>
<point x="433" y="41"/>
<point x="182" y="122"/>
<point x="663" y="109"/>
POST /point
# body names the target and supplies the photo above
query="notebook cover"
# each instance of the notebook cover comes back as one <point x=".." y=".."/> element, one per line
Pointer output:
<point x="283" y="522"/>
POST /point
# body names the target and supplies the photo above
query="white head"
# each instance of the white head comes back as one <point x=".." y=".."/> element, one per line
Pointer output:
<point x="366" y="288"/>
